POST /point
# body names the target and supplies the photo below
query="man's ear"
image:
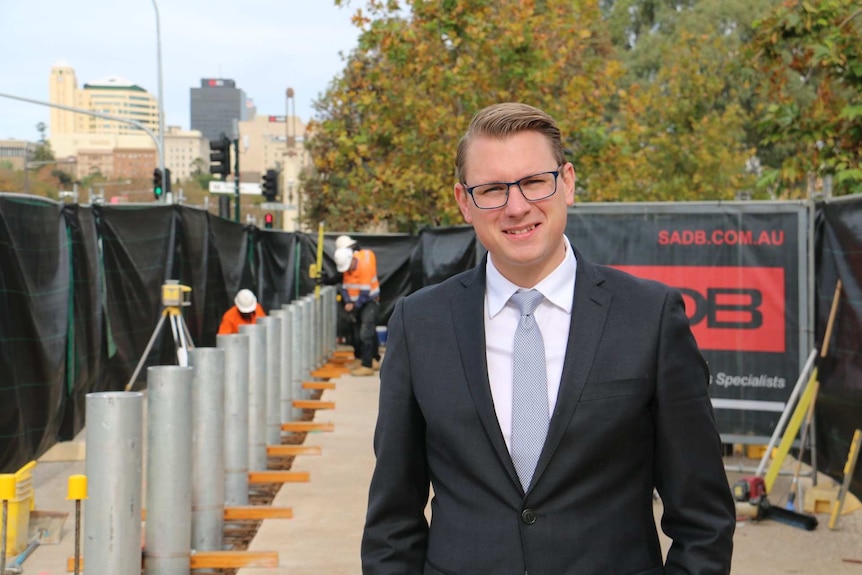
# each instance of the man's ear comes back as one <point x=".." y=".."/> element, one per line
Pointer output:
<point x="570" y="180"/>
<point x="463" y="199"/>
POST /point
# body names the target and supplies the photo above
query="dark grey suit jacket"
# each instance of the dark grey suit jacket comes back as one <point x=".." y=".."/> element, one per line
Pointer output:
<point x="632" y="413"/>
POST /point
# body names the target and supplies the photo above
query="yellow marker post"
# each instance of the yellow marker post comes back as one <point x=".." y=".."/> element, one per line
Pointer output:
<point x="849" y="468"/>
<point x="8" y="485"/>
<point x="77" y="492"/>
<point x="319" y="262"/>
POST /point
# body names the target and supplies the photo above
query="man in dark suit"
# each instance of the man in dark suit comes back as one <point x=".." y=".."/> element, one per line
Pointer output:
<point x="623" y="408"/>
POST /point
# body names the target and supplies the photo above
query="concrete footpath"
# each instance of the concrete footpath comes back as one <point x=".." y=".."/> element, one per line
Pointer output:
<point x="328" y="512"/>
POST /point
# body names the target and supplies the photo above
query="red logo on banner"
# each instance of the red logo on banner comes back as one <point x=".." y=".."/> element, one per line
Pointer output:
<point x="730" y="308"/>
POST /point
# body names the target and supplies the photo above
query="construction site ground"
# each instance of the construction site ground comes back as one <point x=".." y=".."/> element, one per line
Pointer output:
<point x="323" y="537"/>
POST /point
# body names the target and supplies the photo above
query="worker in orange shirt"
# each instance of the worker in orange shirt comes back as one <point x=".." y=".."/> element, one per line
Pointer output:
<point x="245" y="311"/>
<point x="360" y="294"/>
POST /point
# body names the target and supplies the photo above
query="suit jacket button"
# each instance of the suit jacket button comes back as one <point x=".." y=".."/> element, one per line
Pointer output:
<point x="528" y="516"/>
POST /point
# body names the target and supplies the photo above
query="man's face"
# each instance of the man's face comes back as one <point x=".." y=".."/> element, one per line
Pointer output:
<point x="525" y="239"/>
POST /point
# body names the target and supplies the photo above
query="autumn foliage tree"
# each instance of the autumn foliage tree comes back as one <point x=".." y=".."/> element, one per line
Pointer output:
<point x="810" y="54"/>
<point x="659" y="100"/>
<point x="384" y="140"/>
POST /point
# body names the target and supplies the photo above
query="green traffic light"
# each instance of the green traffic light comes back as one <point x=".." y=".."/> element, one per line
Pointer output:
<point x="157" y="192"/>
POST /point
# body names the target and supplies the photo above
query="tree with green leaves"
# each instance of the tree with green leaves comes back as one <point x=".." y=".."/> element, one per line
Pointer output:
<point x="810" y="55"/>
<point x="43" y="152"/>
<point x="384" y="139"/>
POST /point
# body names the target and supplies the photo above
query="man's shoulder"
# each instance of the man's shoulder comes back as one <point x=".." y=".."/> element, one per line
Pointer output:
<point x="441" y="291"/>
<point x="628" y="285"/>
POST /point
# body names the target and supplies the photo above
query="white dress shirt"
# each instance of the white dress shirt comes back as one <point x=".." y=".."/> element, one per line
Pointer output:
<point x="553" y="316"/>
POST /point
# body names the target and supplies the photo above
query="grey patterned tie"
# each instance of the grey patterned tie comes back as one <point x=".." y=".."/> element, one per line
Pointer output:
<point x="529" y="389"/>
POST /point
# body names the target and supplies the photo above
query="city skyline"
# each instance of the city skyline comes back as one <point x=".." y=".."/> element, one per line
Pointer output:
<point x="266" y="48"/>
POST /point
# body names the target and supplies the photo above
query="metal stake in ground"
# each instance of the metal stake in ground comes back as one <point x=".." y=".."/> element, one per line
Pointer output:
<point x="77" y="492"/>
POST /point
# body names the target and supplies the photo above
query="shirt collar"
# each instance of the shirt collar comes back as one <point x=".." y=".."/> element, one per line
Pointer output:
<point x="558" y="287"/>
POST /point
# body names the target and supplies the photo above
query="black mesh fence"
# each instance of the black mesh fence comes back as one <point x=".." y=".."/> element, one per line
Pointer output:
<point x="80" y="291"/>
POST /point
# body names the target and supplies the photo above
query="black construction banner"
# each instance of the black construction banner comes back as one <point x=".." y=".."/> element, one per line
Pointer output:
<point x="35" y="300"/>
<point x="86" y="317"/>
<point x="740" y="268"/>
<point x="839" y="401"/>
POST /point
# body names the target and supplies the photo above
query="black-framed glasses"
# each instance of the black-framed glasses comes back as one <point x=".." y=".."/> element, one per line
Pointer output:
<point x="495" y="195"/>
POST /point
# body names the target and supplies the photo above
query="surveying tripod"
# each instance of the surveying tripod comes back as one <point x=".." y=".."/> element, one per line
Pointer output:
<point x="174" y="297"/>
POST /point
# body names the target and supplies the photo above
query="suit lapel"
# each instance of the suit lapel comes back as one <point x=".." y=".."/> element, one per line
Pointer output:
<point x="468" y="305"/>
<point x="589" y="313"/>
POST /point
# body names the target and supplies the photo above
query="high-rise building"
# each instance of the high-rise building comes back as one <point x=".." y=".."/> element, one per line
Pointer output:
<point x="216" y="105"/>
<point x="117" y="149"/>
<point x="95" y="140"/>
<point x="113" y="96"/>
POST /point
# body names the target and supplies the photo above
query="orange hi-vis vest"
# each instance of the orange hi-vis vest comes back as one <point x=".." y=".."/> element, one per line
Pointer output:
<point x="360" y="282"/>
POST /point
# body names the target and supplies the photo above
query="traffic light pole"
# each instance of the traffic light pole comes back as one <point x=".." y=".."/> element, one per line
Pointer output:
<point x="236" y="177"/>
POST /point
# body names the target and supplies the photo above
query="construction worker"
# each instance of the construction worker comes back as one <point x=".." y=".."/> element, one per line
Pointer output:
<point x="245" y="311"/>
<point x="360" y="294"/>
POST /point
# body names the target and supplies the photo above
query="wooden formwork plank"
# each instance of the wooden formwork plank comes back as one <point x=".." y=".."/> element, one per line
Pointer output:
<point x="328" y="372"/>
<point x="258" y="477"/>
<point x="213" y="560"/>
<point x="318" y="385"/>
<point x="226" y="559"/>
<point x="313" y="404"/>
<point x="253" y="512"/>
<point x="285" y="450"/>
<point x="300" y="426"/>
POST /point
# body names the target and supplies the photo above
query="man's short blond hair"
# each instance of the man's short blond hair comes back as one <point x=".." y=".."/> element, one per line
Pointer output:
<point x="506" y="119"/>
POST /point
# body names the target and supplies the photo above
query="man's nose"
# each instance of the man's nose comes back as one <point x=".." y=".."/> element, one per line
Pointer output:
<point x="516" y="203"/>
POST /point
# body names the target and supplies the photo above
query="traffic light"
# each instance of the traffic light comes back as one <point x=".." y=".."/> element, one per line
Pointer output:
<point x="220" y="157"/>
<point x="270" y="185"/>
<point x="267" y="221"/>
<point x="167" y="182"/>
<point x="158" y="187"/>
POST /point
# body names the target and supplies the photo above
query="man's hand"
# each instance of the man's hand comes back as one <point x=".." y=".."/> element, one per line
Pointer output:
<point x="348" y="307"/>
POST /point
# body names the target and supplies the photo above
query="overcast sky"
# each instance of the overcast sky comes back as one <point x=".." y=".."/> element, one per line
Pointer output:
<point x="266" y="46"/>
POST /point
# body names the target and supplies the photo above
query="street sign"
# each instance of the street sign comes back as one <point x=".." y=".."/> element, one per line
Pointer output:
<point x="276" y="207"/>
<point x="245" y="188"/>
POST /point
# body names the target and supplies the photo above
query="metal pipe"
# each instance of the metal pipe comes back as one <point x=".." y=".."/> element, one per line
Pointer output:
<point x="286" y="317"/>
<point x="273" y="378"/>
<point x="161" y="99"/>
<point x="329" y="308"/>
<point x="317" y="324"/>
<point x="235" y="348"/>
<point x="169" y="470"/>
<point x="256" y="395"/>
<point x="208" y="477"/>
<point x="114" y="464"/>
<point x="77" y="559"/>
<point x="307" y="364"/>
<point x="296" y="357"/>
<point x="4" y="520"/>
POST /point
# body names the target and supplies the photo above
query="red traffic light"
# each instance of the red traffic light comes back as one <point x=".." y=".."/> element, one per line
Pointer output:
<point x="267" y="221"/>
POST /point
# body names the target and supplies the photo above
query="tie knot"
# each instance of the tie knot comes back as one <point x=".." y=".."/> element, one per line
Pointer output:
<point x="527" y="300"/>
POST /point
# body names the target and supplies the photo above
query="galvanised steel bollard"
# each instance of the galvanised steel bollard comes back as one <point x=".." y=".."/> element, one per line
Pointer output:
<point x="208" y="447"/>
<point x="236" y="348"/>
<point x="114" y="470"/>
<point x="169" y="470"/>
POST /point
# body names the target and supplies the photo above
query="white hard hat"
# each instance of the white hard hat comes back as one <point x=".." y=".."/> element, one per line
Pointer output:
<point x="344" y="242"/>
<point x="245" y="301"/>
<point x="343" y="257"/>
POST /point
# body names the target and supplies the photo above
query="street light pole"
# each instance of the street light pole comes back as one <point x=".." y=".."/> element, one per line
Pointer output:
<point x="168" y="199"/>
<point x="290" y="116"/>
